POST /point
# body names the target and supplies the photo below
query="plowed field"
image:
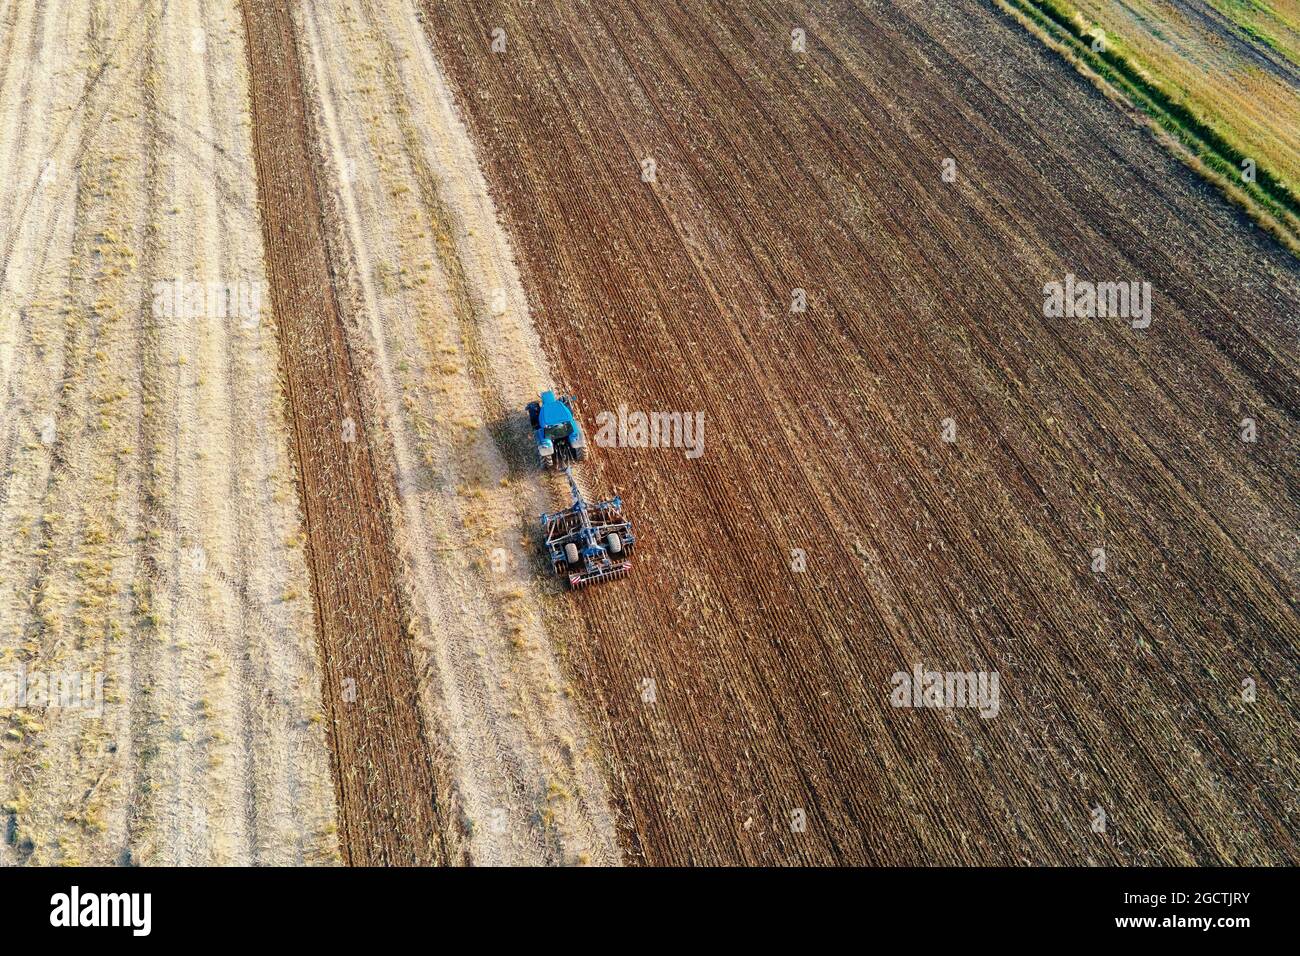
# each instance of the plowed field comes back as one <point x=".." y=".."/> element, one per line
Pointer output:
<point x="1122" y="690"/>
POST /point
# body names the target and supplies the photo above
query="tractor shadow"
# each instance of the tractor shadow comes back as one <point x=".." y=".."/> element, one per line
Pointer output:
<point x="513" y="438"/>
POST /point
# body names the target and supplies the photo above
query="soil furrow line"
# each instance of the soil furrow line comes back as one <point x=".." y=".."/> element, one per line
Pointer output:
<point x="383" y="766"/>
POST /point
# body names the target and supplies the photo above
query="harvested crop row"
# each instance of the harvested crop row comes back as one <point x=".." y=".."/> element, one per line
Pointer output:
<point x="392" y="805"/>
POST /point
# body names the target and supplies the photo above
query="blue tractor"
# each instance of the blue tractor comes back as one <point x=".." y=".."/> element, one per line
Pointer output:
<point x="559" y="438"/>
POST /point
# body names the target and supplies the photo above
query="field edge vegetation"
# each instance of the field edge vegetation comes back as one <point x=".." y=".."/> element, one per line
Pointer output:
<point x="1100" y="56"/>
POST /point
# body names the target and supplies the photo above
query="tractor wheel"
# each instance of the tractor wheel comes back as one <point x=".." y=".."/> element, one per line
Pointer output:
<point x="534" y="410"/>
<point x="580" y="453"/>
<point x="614" y="543"/>
<point x="571" y="553"/>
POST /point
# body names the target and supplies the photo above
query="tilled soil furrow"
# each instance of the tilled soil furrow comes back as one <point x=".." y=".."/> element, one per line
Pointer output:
<point x="383" y="767"/>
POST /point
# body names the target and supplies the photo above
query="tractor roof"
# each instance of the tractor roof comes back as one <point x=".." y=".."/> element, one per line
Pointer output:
<point x="553" y="410"/>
